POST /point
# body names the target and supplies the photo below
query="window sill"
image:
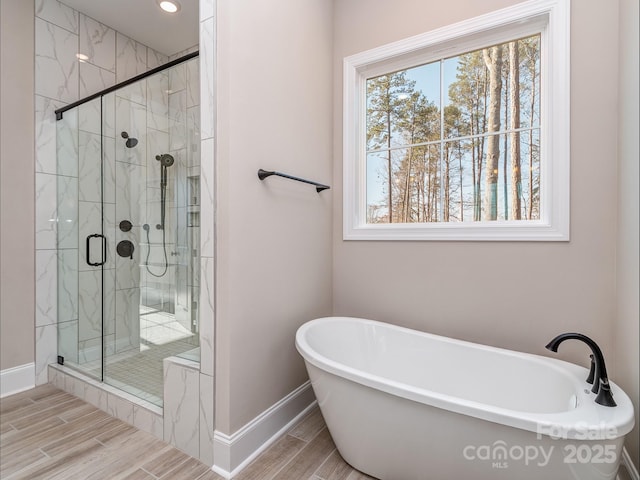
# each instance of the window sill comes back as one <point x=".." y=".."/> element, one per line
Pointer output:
<point x="507" y="231"/>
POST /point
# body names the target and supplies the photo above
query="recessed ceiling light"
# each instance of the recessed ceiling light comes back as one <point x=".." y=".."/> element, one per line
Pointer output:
<point x="82" y="57"/>
<point x="169" y="6"/>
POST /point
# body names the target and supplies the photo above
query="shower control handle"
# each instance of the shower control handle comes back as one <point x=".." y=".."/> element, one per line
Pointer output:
<point x="104" y="250"/>
<point x="125" y="226"/>
<point x="125" y="249"/>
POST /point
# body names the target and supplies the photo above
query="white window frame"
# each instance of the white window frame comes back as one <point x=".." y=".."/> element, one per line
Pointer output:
<point x="550" y="18"/>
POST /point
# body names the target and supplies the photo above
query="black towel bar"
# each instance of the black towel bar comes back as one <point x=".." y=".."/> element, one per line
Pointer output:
<point x="262" y="174"/>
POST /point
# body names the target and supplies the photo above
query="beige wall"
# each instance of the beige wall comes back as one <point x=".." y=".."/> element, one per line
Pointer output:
<point x="515" y="295"/>
<point x="627" y="363"/>
<point x="273" y="250"/>
<point x="17" y="297"/>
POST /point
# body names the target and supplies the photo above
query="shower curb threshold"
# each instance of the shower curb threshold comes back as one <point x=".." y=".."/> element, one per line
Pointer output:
<point x="135" y="411"/>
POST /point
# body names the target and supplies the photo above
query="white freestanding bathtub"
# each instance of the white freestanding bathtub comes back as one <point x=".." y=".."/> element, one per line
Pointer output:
<point x="406" y="405"/>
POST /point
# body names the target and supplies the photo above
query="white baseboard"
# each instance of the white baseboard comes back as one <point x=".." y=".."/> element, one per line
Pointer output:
<point x="631" y="468"/>
<point x="17" y="379"/>
<point x="233" y="452"/>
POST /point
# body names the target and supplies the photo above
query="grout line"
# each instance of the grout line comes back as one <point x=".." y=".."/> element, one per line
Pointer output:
<point x="16" y="474"/>
<point x="322" y="464"/>
<point x="202" y="476"/>
<point x="149" y="473"/>
<point x="302" y="439"/>
<point x="44" y="453"/>
<point x="275" y="474"/>
<point x="48" y="407"/>
<point x="300" y="422"/>
<point x="297" y="454"/>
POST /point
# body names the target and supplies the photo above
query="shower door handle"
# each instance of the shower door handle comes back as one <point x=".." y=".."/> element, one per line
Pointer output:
<point x="104" y="250"/>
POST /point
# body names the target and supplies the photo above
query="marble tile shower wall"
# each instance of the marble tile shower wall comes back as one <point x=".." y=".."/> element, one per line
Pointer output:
<point x="207" y="234"/>
<point x="62" y="78"/>
<point x="174" y="292"/>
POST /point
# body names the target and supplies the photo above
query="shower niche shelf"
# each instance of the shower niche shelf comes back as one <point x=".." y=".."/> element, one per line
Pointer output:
<point x="194" y="190"/>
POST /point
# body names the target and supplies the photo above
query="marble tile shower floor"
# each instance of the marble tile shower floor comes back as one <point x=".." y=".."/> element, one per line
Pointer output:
<point x="139" y="372"/>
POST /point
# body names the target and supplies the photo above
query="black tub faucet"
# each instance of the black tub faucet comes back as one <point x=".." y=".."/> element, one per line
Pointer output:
<point x="599" y="378"/>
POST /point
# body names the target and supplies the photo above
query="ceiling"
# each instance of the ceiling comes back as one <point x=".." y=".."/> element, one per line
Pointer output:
<point x="143" y="21"/>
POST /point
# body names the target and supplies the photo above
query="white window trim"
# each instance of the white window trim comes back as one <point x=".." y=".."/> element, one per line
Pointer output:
<point x="551" y="17"/>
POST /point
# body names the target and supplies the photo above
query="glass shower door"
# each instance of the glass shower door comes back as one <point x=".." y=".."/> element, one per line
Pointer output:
<point x="153" y="319"/>
<point x="129" y="362"/>
<point x="85" y="263"/>
<point x="128" y="230"/>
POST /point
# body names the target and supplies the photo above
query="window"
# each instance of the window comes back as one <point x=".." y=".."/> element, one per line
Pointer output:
<point x="462" y="133"/>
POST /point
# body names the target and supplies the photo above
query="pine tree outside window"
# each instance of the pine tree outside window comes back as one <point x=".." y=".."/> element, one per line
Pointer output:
<point x="462" y="133"/>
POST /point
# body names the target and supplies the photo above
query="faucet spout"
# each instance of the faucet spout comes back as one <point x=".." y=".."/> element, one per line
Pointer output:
<point x="599" y="378"/>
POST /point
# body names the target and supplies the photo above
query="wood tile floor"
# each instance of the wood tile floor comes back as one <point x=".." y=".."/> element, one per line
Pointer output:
<point x="46" y="433"/>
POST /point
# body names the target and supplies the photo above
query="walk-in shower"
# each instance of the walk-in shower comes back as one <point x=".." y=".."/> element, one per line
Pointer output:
<point x="128" y="163"/>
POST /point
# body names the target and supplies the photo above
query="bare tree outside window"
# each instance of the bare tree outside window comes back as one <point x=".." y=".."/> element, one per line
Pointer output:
<point x="456" y="140"/>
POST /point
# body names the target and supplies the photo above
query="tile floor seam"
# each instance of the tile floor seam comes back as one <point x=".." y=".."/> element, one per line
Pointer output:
<point x="322" y="464"/>
<point x="16" y="475"/>
<point x="62" y="419"/>
<point x="28" y="434"/>
<point x="307" y="443"/>
<point x="44" y="453"/>
<point x="299" y="438"/>
<point x="274" y="474"/>
<point x="149" y="473"/>
<point x="174" y="468"/>
<point x="104" y="445"/>
<point x="49" y="407"/>
<point x="314" y="437"/>
<point x="204" y="474"/>
<point x="13" y="475"/>
<point x="13" y="413"/>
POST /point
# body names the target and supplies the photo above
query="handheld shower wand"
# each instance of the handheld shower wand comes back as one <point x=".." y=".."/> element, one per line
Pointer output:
<point x="166" y="161"/>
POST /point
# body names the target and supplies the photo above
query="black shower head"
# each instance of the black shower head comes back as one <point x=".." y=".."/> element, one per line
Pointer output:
<point x="131" y="142"/>
<point x="165" y="159"/>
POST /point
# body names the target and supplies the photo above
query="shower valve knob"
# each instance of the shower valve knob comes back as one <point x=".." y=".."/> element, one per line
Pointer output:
<point x="125" y="249"/>
<point x="125" y="226"/>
